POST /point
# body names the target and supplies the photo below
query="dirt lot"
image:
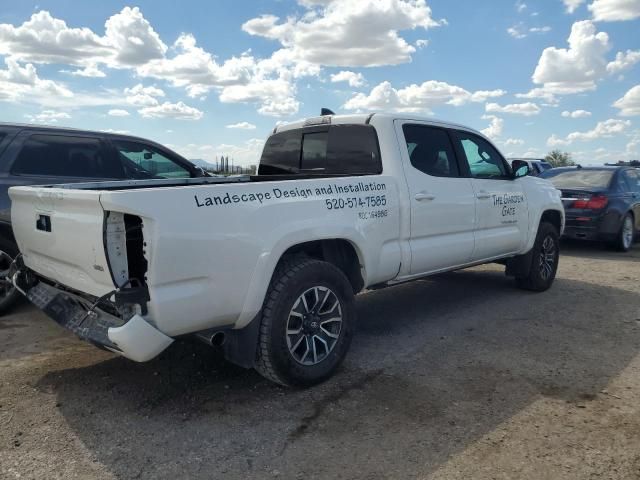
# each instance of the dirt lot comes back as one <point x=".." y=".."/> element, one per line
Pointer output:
<point x="460" y="376"/>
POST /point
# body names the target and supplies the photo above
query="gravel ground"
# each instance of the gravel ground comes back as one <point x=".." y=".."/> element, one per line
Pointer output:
<point x="459" y="376"/>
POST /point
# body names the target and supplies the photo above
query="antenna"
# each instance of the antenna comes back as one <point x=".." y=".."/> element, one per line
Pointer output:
<point x="326" y="111"/>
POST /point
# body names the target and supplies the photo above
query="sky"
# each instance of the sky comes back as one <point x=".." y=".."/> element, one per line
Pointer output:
<point x="210" y="78"/>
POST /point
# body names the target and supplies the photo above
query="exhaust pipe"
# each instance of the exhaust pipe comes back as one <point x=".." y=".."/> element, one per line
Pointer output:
<point x="213" y="339"/>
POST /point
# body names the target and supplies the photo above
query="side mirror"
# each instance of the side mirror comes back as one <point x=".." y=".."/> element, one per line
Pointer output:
<point x="520" y="168"/>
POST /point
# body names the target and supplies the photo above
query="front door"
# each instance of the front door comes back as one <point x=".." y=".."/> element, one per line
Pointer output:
<point x="442" y="202"/>
<point x="502" y="210"/>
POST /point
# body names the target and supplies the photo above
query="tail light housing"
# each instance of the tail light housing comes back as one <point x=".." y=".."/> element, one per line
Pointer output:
<point x="595" y="202"/>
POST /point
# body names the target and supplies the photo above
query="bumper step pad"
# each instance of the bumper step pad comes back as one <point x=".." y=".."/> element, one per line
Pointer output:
<point x="70" y="312"/>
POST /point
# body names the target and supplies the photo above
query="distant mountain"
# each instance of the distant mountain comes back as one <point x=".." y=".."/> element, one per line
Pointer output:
<point x="202" y="163"/>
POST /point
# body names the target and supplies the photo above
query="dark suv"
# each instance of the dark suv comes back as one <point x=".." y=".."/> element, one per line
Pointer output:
<point x="33" y="155"/>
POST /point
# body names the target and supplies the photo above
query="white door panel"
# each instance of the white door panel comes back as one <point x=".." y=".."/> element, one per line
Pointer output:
<point x="443" y="208"/>
<point x="503" y="217"/>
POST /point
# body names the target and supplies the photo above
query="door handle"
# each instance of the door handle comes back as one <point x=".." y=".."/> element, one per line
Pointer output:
<point x="422" y="196"/>
<point x="482" y="194"/>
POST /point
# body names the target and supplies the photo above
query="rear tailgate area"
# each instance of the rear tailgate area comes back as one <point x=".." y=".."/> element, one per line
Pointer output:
<point x="60" y="234"/>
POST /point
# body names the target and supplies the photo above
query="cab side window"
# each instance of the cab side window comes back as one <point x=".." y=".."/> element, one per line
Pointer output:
<point x="142" y="161"/>
<point x="483" y="159"/>
<point x="65" y="156"/>
<point x="430" y="150"/>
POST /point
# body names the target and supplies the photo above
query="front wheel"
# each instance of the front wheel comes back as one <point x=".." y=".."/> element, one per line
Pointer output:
<point x="544" y="260"/>
<point x="307" y="324"/>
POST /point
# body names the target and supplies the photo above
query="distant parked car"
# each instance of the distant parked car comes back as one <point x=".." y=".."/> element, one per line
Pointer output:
<point x="35" y="155"/>
<point x="536" y="165"/>
<point x="601" y="203"/>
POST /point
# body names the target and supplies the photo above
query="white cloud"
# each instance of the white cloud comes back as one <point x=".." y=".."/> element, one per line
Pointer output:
<point x="90" y="71"/>
<point x="578" y="68"/>
<point x="134" y="40"/>
<point x="483" y="95"/>
<point x="19" y="83"/>
<point x="275" y="96"/>
<point x="196" y="69"/>
<point x="242" y="126"/>
<point x="348" y="32"/>
<point x="117" y="112"/>
<point x="48" y="116"/>
<point x="623" y="61"/>
<point x="576" y="114"/>
<point x="244" y="154"/>
<point x="129" y="40"/>
<point x="416" y="98"/>
<point x="539" y="93"/>
<point x="354" y="79"/>
<point x="513" y="141"/>
<point x="604" y="129"/>
<point x="527" y="109"/>
<point x="494" y="130"/>
<point x="629" y="104"/>
<point x="268" y="82"/>
<point x="141" y="96"/>
<point x="572" y="5"/>
<point x="516" y="31"/>
<point x="178" y="111"/>
<point x="614" y="10"/>
<point x="521" y="6"/>
<point x="421" y="43"/>
<point x="544" y="29"/>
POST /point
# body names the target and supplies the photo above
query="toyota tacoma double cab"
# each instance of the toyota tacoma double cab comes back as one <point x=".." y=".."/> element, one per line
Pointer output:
<point x="267" y="266"/>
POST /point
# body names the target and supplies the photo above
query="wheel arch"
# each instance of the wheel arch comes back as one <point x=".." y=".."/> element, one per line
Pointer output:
<point x="554" y="217"/>
<point x="338" y="250"/>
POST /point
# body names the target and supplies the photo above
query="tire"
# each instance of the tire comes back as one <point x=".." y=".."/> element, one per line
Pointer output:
<point x="544" y="260"/>
<point x="625" y="238"/>
<point x="9" y="296"/>
<point x="301" y="342"/>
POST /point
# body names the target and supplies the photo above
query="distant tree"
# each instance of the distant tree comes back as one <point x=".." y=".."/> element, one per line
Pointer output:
<point x="559" y="159"/>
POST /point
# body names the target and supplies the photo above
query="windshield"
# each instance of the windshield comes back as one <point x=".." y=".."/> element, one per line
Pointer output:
<point x="579" y="178"/>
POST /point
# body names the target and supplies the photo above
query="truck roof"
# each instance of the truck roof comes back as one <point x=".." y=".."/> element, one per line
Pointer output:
<point x="365" y="118"/>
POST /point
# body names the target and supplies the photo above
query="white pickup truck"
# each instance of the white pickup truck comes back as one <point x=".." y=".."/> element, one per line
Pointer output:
<point x="267" y="266"/>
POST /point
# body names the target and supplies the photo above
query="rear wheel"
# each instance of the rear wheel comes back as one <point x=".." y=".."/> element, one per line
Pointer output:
<point x="307" y="323"/>
<point x="624" y="240"/>
<point x="8" y="293"/>
<point x="544" y="260"/>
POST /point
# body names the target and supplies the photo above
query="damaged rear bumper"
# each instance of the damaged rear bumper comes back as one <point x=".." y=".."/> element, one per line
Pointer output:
<point x="134" y="338"/>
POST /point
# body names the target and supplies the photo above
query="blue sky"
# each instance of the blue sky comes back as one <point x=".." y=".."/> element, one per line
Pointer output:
<point x="211" y="78"/>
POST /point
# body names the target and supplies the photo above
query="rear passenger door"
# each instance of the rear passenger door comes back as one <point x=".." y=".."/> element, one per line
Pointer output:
<point x="502" y="212"/>
<point x="442" y="202"/>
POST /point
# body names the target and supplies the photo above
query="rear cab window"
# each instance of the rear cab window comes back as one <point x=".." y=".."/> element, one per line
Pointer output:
<point x="334" y="150"/>
<point x="430" y="150"/>
<point x="65" y="156"/>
